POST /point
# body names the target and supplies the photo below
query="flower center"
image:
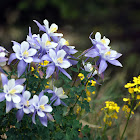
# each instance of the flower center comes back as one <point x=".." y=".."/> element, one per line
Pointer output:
<point x="60" y="60"/>
<point x="42" y="107"/>
<point x="26" y="54"/>
<point x="108" y="53"/>
<point x="103" y="41"/>
<point x="13" y="91"/>
<point x="66" y="43"/>
<point x="47" y="43"/>
<point x="27" y="103"/>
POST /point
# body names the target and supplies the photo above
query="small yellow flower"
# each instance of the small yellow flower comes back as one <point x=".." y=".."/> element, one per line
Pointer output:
<point x="126" y="99"/>
<point x="138" y="97"/>
<point x="32" y="69"/>
<point x="35" y="76"/>
<point x="93" y="83"/>
<point x="81" y="76"/>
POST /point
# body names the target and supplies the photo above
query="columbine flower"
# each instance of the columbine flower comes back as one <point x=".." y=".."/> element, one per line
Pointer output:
<point x="57" y="59"/>
<point x="65" y="45"/>
<point x="40" y="106"/>
<point x="46" y="43"/>
<point x="11" y="91"/>
<point x="102" y="50"/>
<point x="58" y="94"/>
<point x="50" y="31"/>
<point x="24" y="54"/>
<point x="3" y="59"/>
<point x="23" y="106"/>
<point x="33" y="39"/>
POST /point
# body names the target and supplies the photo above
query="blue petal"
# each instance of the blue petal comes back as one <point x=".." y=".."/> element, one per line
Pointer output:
<point x="4" y="79"/>
<point x="11" y="58"/>
<point x="103" y="66"/>
<point x="41" y="27"/>
<point x="21" y="67"/>
<point x="43" y="120"/>
<point x="50" y="70"/>
<point x="57" y="102"/>
<point x="9" y="106"/>
<point x="115" y="62"/>
<point x="2" y="97"/>
<point x="64" y="72"/>
<point x="20" y="114"/>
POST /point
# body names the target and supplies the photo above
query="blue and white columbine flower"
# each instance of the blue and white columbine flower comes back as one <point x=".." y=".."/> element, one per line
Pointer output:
<point x="23" y="105"/>
<point x="56" y="59"/>
<point x="11" y="91"/>
<point x="24" y="53"/>
<point x="41" y="108"/>
<point x="100" y="48"/>
<point x="58" y="94"/>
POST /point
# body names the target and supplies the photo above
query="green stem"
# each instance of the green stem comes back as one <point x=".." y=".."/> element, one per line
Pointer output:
<point x="104" y="130"/>
<point x="128" y="119"/>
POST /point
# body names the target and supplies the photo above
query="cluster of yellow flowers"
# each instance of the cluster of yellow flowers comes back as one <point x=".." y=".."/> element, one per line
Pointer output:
<point x="134" y="90"/>
<point x="135" y="86"/>
<point x="81" y="76"/>
<point x="111" y="109"/>
<point x="88" y="93"/>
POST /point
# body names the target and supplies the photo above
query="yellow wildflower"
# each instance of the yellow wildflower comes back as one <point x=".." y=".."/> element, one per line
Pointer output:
<point x="81" y="76"/>
<point x="32" y="68"/>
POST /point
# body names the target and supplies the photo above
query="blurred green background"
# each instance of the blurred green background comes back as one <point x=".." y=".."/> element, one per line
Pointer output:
<point x="118" y="20"/>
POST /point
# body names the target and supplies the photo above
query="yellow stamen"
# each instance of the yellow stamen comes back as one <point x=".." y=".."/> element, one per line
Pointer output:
<point x="26" y="54"/>
<point x="66" y="43"/>
<point x="27" y="103"/>
<point x="60" y="60"/>
<point x="108" y="53"/>
<point x="103" y="41"/>
<point x="45" y="63"/>
<point x="47" y="43"/>
<point x="42" y="107"/>
<point x="13" y="91"/>
<point x="54" y="29"/>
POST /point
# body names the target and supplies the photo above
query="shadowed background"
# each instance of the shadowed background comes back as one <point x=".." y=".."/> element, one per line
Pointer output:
<point x="118" y="20"/>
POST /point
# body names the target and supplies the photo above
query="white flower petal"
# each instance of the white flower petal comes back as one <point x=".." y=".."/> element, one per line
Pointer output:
<point x="48" y="108"/>
<point x="26" y="110"/>
<point x="16" y="98"/>
<point x="5" y="88"/>
<point x="63" y="96"/>
<point x="59" y="91"/>
<point x="11" y="84"/>
<point x="16" y="48"/>
<point x="40" y="113"/>
<point x="46" y="23"/>
<point x="61" y="53"/>
<point x="24" y="46"/>
<point x="53" y="28"/>
<point x="26" y="95"/>
<point x="52" y="54"/>
<point x="45" y="38"/>
<point x="28" y="59"/>
<point x="2" y="54"/>
<point x="2" y="64"/>
<point x="66" y="64"/>
<point x="19" y="105"/>
<point x="97" y="36"/>
<point x="35" y="100"/>
<point x="43" y="100"/>
<point x="8" y="97"/>
<point x="19" y="88"/>
<point x="32" y="52"/>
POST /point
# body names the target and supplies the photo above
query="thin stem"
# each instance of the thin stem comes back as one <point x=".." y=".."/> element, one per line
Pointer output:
<point x="128" y="118"/>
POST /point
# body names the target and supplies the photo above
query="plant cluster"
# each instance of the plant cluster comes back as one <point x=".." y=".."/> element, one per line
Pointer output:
<point x="51" y="86"/>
